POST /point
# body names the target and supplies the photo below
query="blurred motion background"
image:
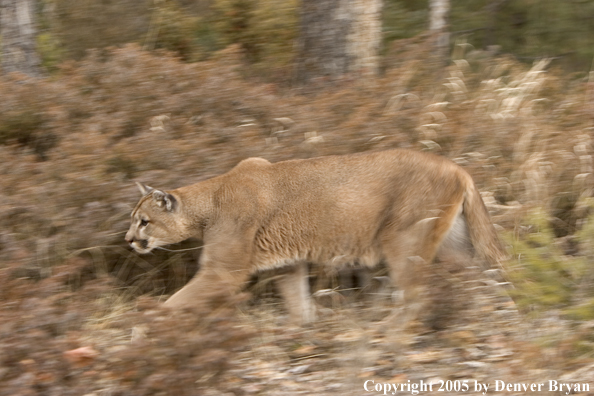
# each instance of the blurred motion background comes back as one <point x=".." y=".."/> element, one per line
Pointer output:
<point x="98" y="94"/>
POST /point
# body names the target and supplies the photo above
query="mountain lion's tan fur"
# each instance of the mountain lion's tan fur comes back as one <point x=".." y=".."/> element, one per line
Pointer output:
<point x="396" y="206"/>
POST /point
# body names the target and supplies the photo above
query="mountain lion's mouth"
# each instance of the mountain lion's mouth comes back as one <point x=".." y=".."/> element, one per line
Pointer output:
<point x="141" y="246"/>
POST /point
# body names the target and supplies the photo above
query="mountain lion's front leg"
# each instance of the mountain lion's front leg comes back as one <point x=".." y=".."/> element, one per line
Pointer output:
<point x="225" y="267"/>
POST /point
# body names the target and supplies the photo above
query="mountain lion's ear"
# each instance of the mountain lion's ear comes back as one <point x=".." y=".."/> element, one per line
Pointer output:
<point x="144" y="189"/>
<point x="164" y="200"/>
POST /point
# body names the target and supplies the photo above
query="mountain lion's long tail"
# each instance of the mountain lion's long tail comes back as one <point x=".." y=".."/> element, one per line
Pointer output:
<point x="482" y="232"/>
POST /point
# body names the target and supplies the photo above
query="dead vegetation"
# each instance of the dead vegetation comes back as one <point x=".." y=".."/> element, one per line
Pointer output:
<point x="72" y="145"/>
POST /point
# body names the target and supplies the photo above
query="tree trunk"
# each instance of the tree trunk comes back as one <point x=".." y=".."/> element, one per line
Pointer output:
<point x="338" y="37"/>
<point x="17" y="27"/>
<point x="439" y="11"/>
<point x="492" y="10"/>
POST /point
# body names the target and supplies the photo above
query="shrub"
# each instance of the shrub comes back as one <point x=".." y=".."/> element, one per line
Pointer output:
<point x="53" y="341"/>
<point x="26" y="127"/>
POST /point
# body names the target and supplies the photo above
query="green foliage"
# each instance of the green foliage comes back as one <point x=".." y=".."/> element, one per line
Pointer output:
<point x="530" y="29"/>
<point x="86" y="24"/>
<point x="234" y="19"/>
<point x="526" y="28"/>
<point x="206" y="38"/>
<point x="264" y="29"/>
<point x="277" y="30"/>
<point x="542" y="277"/>
<point x="174" y="29"/>
<point x="401" y="19"/>
<point x="583" y="311"/>
<point x="49" y="50"/>
<point x="586" y="234"/>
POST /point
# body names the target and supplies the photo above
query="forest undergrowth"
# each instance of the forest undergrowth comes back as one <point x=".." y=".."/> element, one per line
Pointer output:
<point x="73" y="144"/>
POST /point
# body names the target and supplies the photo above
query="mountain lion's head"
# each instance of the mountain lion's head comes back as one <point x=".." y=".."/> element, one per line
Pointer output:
<point x="155" y="221"/>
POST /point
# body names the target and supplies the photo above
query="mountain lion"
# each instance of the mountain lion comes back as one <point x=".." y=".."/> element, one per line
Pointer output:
<point x="397" y="206"/>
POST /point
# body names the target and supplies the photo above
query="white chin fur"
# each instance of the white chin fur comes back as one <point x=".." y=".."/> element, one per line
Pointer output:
<point x="140" y="250"/>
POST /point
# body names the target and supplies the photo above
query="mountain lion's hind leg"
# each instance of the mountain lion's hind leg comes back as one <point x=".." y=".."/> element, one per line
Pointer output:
<point x="409" y="252"/>
<point x="406" y="269"/>
<point x="293" y="285"/>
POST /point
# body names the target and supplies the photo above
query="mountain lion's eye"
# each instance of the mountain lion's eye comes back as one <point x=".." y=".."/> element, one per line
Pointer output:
<point x="143" y="223"/>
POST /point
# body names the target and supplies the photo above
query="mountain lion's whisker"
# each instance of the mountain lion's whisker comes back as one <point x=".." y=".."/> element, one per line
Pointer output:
<point x="180" y="250"/>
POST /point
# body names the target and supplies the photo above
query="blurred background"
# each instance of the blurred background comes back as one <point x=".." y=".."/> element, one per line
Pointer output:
<point x="96" y="95"/>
